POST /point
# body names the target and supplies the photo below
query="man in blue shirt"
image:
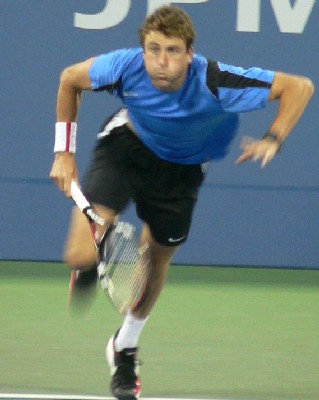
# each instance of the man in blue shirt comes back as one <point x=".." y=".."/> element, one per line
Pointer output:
<point x="180" y="110"/>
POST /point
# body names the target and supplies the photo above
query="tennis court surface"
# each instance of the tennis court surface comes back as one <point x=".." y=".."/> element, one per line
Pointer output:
<point x="216" y="333"/>
<point x="6" y="396"/>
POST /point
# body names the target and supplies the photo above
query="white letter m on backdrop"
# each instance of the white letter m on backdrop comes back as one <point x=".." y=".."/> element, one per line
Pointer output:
<point x="291" y="17"/>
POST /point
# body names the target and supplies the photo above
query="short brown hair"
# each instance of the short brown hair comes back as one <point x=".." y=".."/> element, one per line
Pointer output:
<point x="171" y="21"/>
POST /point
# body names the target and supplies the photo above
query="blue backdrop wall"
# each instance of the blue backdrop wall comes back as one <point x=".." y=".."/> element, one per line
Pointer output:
<point x="245" y="215"/>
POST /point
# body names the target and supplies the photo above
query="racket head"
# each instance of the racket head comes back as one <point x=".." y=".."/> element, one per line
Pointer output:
<point x="124" y="267"/>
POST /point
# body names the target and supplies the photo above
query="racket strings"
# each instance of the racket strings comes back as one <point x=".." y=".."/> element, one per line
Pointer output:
<point x="129" y="276"/>
<point x="126" y="271"/>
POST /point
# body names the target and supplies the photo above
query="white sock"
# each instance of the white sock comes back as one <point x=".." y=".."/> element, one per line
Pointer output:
<point x="129" y="333"/>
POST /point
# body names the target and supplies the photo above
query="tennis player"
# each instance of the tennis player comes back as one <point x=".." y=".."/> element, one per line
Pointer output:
<point x="180" y="111"/>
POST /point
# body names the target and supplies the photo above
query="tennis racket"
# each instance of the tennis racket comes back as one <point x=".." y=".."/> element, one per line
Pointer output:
<point x="123" y="264"/>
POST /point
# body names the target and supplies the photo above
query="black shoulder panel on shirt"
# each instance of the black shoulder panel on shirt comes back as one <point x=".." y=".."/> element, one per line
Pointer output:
<point x="216" y="78"/>
<point x="212" y="76"/>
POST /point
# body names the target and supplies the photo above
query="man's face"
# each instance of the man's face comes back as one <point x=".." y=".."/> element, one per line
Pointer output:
<point x="166" y="60"/>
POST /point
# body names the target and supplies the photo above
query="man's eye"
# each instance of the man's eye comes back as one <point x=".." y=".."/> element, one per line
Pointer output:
<point x="173" y="50"/>
<point x="154" y="50"/>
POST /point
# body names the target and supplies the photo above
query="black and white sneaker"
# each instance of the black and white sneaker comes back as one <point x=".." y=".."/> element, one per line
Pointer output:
<point x="82" y="288"/>
<point x="125" y="383"/>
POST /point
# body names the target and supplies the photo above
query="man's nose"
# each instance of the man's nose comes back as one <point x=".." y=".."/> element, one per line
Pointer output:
<point x="163" y="59"/>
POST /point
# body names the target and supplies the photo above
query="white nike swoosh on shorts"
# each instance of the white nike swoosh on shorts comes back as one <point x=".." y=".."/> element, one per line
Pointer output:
<point x="173" y="240"/>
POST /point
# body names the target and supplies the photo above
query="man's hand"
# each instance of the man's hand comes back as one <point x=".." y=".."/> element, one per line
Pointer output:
<point x="255" y="150"/>
<point x="63" y="170"/>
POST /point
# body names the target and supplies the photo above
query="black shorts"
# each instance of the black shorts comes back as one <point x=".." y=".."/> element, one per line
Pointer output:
<point x="165" y="193"/>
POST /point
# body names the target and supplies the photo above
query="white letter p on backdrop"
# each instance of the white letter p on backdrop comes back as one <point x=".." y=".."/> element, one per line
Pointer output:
<point x="112" y="14"/>
<point x="154" y="4"/>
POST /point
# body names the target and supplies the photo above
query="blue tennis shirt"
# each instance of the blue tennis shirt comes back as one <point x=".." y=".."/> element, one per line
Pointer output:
<point x="194" y="124"/>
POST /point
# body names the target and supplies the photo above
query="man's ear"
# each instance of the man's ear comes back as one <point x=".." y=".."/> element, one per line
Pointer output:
<point x="190" y="52"/>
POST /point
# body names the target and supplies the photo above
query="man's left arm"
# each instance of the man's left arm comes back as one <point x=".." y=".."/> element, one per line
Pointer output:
<point x="293" y="93"/>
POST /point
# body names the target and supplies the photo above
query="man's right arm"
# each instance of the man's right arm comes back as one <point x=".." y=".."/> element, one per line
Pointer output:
<point x="73" y="81"/>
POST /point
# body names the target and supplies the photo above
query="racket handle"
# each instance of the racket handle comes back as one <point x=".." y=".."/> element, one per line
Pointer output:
<point x="78" y="196"/>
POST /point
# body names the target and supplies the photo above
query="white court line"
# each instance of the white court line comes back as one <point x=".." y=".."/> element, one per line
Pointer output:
<point x="18" y="396"/>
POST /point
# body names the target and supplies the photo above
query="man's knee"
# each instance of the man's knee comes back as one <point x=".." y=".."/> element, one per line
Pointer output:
<point x="79" y="251"/>
<point x="77" y="257"/>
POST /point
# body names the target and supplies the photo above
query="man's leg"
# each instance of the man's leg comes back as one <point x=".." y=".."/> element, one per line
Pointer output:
<point x="81" y="257"/>
<point x="122" y="347"/>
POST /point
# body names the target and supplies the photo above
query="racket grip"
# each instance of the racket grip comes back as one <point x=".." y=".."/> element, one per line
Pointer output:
<point x="78" y="196"/>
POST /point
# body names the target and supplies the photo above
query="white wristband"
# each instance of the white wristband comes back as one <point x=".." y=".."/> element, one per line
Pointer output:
<point x="65" y="137"/>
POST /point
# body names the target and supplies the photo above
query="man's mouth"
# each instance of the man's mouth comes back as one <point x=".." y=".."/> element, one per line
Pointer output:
<point x="162" y="77"/>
